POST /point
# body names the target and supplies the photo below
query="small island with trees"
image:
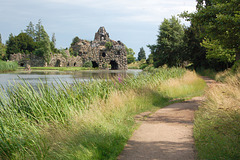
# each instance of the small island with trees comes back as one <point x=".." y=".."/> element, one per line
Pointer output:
<point x="34" y="48"/>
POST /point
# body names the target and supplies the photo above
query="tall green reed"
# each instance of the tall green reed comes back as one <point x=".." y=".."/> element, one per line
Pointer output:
<point x="25" y="111"/>
<point x="8" y="66"/>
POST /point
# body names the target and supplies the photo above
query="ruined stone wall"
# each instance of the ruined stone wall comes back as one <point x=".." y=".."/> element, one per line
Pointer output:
<point x="30" y="59"/>
<point x="96" y="51"/>
<point x="112" y="57"/>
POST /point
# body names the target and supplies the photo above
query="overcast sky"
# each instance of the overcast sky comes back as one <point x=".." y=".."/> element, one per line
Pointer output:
<point x="134" y="22"/>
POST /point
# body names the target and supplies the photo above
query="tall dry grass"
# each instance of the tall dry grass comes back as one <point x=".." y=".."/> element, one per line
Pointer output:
<point x="90" y="120"/>
<point x="217" y="123"/>
<point x="183" y="86"/>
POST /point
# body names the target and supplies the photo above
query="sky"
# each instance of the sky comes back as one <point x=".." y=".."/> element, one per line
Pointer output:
<point x="133" y="22"/>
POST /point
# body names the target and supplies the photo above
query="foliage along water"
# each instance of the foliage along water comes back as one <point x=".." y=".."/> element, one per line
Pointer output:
<point x="26" y="114"/>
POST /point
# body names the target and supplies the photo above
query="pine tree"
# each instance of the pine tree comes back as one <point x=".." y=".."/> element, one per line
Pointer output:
<point x="54" y="40"/>
<point x="0" y="38"/>
<point x="30" y="30"/>
<point x="141" y="54"/>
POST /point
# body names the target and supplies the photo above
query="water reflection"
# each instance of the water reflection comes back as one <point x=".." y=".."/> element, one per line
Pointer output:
<point x="53" y="77"/>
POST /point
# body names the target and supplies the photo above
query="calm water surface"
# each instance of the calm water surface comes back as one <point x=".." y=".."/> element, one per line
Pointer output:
<point x="50" y="77"/>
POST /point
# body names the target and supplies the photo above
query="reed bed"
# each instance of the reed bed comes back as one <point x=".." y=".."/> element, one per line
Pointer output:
<point x="91" y="120"/>
<point x="217" y="123"/>
<point x="8" y="66"/>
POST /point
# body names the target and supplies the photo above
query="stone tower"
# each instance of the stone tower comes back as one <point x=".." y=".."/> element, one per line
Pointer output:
<point x="101" y="35"/>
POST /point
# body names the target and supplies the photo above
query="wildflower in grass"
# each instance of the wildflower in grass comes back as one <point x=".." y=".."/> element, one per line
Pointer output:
<point x="119" y="78"/>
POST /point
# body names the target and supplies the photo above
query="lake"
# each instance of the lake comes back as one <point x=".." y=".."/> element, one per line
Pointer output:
<point x="49" y="77"/>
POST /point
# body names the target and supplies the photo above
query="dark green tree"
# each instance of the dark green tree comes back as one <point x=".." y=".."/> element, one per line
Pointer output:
<point x="0" y="38"/>
<point x="2" y="51"/>
<point x="44" y="46"/>
<point x="54" y="40"/>
<point x="193" y="51"/>
<point x="25" y="43"/>
<point x="130" y="55"/>
<point x="141" y="54"/>
<point x="30" y="30"/>
<point x="219" y="22"/>
<point x="22" y="43"/>
<point x="75" y="40"/>
<point x="12" y="45"/>
<point x="39" y="31"/>
<point x="170" y="44"/>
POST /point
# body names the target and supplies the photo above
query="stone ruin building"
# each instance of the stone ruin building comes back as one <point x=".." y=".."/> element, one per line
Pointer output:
<point x="103" y="52"/>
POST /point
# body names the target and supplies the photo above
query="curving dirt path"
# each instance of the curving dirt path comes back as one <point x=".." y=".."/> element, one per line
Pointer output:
<point x="165" y="135"/>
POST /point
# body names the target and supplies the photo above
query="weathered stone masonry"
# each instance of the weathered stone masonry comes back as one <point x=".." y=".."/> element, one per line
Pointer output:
<point x="97" y="52"/>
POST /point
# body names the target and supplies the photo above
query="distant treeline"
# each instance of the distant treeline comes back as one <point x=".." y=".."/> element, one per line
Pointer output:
<point x="34" y="39"/>
<point x="211" y="41"/>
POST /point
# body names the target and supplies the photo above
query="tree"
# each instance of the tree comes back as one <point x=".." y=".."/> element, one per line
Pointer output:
<point x="193" y="51"/>
<point x="39" y="31"/>
<point x="44" y="46"/>
<point x="12" y="46"/>
<point x="54" y="40"/>
<point x="22" y="43"/>
<point x="141" y="54"/>
<point x="25" y="43"/>
<point x="130" y="55"/>
<point x="0" y="38"/>
<point x="219" y="22"/>
<point x="170" y="44"/>
<point x="30" y="30"/>
<point x="2" y="51"/>
<point x="216" y="51"/>
<point x="75" y="40"/>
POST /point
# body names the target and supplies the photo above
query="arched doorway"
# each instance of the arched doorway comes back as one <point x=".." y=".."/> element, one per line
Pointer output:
<point x="114" y="65"/>
<point x="95" y="64"/>
<point x="22" y="64"/>
<point x="58" y="63"/>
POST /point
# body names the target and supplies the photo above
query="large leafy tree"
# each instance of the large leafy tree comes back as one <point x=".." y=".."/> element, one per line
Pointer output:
<point x="44" y="46"/>
<point x="2" y="49"/>
<point x="219" y="21"/>
<point x="170" y="44"/>
<point x="22" y="43"/>
<point x="141" y="54"/>
<point x="130" y="55"/>
<point x="0" y="38"/>
<point x="30" y="30"/>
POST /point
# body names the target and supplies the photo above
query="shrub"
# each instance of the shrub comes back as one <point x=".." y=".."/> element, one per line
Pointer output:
<point x="108" y="45"/>
<point x="88" y="64"/>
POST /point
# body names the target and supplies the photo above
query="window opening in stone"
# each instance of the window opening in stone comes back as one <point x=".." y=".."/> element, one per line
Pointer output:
<point x="68" y="64"/>
<point x="74" y="64"/>
<point x="103" y="54"/>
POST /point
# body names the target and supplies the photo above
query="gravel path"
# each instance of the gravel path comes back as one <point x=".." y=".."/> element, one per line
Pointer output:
<point x="165" y="135"/>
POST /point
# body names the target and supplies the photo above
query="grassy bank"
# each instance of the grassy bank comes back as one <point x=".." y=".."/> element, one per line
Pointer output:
<point x="8" y="66"/>
<point x="91" y="120"/>
<point x="217" y="123"/>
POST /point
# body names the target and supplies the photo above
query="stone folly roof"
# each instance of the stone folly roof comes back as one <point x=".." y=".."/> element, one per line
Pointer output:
<point x="101" y="35"/>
